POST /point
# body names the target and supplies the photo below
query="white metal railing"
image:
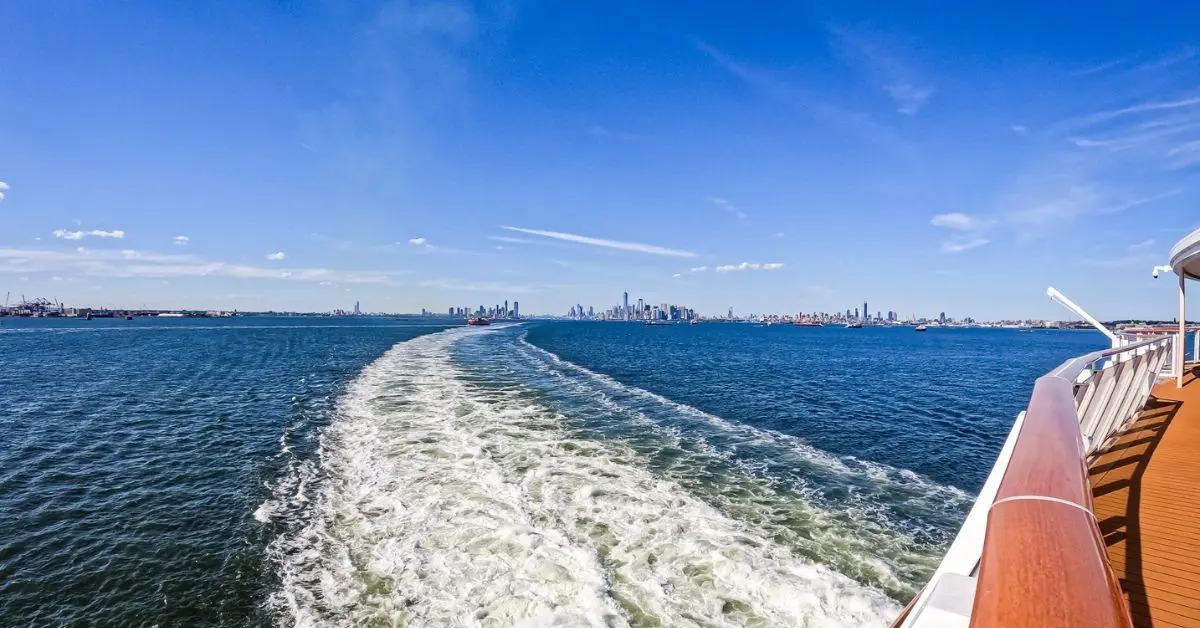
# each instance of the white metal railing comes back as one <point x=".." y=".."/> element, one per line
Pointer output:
<point x="1111" y="387"/>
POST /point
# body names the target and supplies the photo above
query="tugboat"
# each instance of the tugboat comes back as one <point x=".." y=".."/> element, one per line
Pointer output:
<point x="478" y="321"/>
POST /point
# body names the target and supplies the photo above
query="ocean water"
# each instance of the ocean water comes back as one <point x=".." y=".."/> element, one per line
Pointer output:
<point x="344" y="472"/>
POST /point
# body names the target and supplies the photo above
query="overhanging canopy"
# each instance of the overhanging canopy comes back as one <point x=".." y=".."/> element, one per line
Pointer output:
<point x="1185" y="256"/>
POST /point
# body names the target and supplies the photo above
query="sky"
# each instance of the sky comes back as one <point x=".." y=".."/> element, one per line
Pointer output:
<point x="791" y="157"/>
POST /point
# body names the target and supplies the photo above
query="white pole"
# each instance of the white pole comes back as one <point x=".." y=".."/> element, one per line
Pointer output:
<point x="1179" y="347"/>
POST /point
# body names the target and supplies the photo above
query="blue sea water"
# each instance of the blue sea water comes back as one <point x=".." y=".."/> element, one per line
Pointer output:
<point x="313" y="471"/>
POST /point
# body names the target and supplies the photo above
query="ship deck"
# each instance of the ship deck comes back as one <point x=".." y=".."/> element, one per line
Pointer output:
<point x="1144" y="487"/>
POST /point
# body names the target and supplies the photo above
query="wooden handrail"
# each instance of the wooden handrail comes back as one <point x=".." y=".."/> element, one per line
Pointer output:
<point x="1044" y="561"/>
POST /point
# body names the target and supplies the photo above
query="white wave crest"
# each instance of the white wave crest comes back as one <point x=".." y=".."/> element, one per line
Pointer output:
<point x="446" y="502"/>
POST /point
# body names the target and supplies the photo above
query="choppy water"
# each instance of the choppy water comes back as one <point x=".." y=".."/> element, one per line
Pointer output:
<point x="371" y="472"/>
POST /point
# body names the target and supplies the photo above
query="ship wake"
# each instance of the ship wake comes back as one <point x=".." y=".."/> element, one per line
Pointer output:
<point x="446" y="497"/>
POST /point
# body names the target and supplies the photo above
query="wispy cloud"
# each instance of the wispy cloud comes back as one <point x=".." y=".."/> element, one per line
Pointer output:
<point x="1018" y="128"/>
<point x="3" y="188"/>
<point x="698" y="269"/>
<point x="958" y="246"/>
<point x="182" y="240"/>
<point x="601" y="132"/>
<point x="612" y="244"/>
<point x="417" y="241"/>
<point x="855" y="122"/>
<point x="726" y="205"/>
<point x="277" y="256"/>
<point x="512" y="240"/>
<point x="131" y="263"/>
<point x="957" y="220"/>
<point x="79" y="235"/>
<point x="733" y="268"/>
<point x="1145" y="244"/>
<point x="880" y="62"/>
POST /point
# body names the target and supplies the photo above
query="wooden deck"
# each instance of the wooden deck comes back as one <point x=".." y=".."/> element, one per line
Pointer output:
<point x="1145" y="487"/>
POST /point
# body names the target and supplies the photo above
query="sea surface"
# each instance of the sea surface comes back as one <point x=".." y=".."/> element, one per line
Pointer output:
<point x="415" y="472"/>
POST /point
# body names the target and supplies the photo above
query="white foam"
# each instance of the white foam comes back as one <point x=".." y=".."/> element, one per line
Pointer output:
<point x="447" y="503"/>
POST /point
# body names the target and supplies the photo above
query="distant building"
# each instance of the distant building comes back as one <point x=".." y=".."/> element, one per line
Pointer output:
<point x="516" y="310"/>
<point x="942" y="318"/>
<point x="866" y="313"/>
<point x="356" y="310"/>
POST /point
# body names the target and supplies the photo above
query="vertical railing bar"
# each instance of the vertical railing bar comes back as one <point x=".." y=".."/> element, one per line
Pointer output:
<point x="1106" y="425"/>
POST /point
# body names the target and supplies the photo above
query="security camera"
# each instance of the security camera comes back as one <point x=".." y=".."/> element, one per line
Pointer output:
<point x="1158" y="269"/>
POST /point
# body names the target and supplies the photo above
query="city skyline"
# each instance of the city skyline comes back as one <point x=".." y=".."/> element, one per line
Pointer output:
<point x="412" y="153"/>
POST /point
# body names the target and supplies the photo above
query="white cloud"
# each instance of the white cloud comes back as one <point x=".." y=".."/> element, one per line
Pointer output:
<point x="130" y="263"/>
<point x="182" y="240"/>
<point x="1145" y="244"/>
<point x="3" y="189"/>
<point x="1018" y="128"/>
<point x="728" y="206"/>
<point x="730" y="268"/>
<point x="956" y="220"/>
<point x="512" y="240"/>
<point x="677" y="275"/>
<point x="612" y="244"/>
<point x="277" y="257"/>
<point x="909" y="98"/>
<point x="959" y="246"/>
<point x="697" y="269"/>
<point x="417" y="241"/>
<point x="881" y="62"/>
<point x="79" y="235"/>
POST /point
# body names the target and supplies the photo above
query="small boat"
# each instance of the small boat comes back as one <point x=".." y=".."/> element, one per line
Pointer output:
<point x="807" y="324"/>
<point x="657" y="323"/>
<point x="478" y="321"/>
<point x="921" y="328"/>
<point x="695" y="321"/>
<point x="853" y="325"/>
<point x="129" y="317"/>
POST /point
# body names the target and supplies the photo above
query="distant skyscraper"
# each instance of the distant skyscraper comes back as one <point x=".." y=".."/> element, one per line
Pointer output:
<point x="626" y="305"/>
<point x="451" y="312"/>
<point x="866" y="312"/>
<point x="855" y="312"/>
<point x="641" y="309"/>
<point x="942" y="318"/>
<point x="516" y="310"/>
<point x="356" y="310"/>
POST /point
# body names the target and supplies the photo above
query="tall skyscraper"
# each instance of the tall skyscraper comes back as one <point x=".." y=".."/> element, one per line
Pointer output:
<point x="516" y="310"/>
<point x="625" y="313"/>
<point x="866" y="312"/>
<point x="506" y="308"/>
<point x="856" y="313"/>
<point x="641" y="309"/>
<point x="356" y="310"/>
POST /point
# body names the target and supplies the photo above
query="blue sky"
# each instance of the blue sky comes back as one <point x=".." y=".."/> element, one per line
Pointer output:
<point x="797" y="157"/>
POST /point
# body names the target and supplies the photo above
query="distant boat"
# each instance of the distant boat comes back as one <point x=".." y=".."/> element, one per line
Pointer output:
<point x="853" y="325"/>
<point x="807" y="324"/>
<point x="170" y="315"/>
<point x="695" y="321"/>
<point x="921" y="328"/>
<point x="657" y="323"/>
<point x="478" y="321"/>
<point x="129" y="317"/>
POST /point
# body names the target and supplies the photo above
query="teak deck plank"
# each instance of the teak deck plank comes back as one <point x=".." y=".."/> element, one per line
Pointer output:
<point x="1144" y="486"/>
